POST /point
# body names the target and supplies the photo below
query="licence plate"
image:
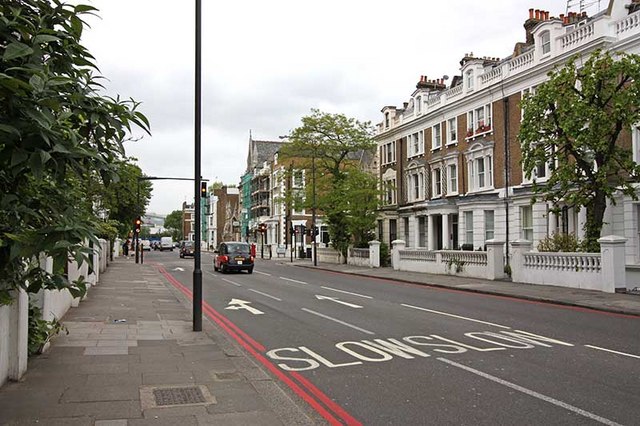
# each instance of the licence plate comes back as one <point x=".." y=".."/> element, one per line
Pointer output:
<point x="239" y="260"/>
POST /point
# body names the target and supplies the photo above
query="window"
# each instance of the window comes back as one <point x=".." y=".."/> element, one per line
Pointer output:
<point x="390" y="191"/>
<point x="393" y="230"/>
<point x="406" y="229"/>
<point x="545" y="41"/>
<point x="469" y="80"/>
<point x="415" y="186"/>
<point x="526" y="223"/>
<point x="452" y="130"/>
<point x="479" y="120"/>
<point x="481" y="173"/>
<point x="389" y="153"/>
<point x="488" y="225"/>
<point x="416" y="144"/>
<point x="452" y="175"/>
<point x="422" y="231"/>
<point x="386" y="120"/>
<point x="437" y="182"/>
<point x="380" y="230"/>
<point x="419" y="104"/>
<point x="298" y="179"/>
<point x="436" y="141"/>
<point x="468" y="228"/>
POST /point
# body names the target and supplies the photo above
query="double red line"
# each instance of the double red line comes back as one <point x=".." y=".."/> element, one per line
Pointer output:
<point x="327" y="408"/>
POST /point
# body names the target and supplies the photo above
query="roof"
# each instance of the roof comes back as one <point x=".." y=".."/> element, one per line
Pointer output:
<point x="261" y="151"/>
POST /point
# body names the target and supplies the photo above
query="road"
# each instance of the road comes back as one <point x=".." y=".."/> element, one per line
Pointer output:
<point x="371" y="351"/>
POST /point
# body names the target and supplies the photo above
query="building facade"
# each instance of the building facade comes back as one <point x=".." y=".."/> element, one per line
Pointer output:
<point x="449" y="158"/>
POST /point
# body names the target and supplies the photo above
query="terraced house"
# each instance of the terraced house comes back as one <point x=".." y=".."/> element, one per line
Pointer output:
<point x="450" y="161"/>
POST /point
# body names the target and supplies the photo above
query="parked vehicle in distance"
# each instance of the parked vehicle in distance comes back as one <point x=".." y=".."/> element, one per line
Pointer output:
<point x="146" y="245"/>
<point x="187" y="249"/>
<point x="233" y="256"/>
<point x="166" y="243"/>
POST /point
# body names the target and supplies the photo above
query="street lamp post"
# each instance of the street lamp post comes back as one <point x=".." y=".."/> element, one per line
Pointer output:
<point x="197" y="272"/>
<point x="313" y="208"/>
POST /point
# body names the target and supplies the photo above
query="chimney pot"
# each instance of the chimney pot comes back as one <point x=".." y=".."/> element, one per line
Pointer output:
<point x="546" y="15"/>
<point x="537" y="14"/>
<point x="531" y="13"/>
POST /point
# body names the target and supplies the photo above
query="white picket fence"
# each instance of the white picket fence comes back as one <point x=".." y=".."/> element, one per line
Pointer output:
<point x="53" y="304"/>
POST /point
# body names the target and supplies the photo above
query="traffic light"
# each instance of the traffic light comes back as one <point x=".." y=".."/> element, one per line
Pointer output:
<point x="136" y="225"/>
<point x="203" y="189"/>
<point x="262" y="227"/>
<point x="315" y="230"/>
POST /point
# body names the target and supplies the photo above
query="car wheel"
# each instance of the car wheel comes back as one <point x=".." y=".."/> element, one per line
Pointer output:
<point x="250" y="270"/>
<point x="215" y="268"/>
<point x="223" y="269"/>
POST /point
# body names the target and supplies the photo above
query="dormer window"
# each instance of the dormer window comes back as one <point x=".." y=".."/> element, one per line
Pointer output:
<point x="545" y="42"/>
<point x="386" y="120"/>
<point x="419" y="104"/>
<point x="469" y="80"/>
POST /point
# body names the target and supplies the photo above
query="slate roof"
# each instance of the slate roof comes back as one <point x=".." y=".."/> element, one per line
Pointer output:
<point x="261" y="151"/>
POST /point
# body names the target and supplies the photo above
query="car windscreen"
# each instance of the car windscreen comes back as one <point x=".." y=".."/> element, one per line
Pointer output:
<point x="238" y="248"/>
<point x="188" y="245"/>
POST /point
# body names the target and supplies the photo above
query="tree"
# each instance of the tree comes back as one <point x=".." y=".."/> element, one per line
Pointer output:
<point x="173" y="222"/>
<point x="334" y="145"/>
<point x="574" y="123"/>
<point x="56" y="133"/>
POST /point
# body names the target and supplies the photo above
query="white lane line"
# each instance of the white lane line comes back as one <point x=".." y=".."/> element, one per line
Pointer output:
<point x="231" y="282"/>
<point x="262" y="273"/>
<point x="338" y="321"/>
<point x="347" y="292"/>
<point x="455" y="316"/>
<point x="532" y="393"/>
<point x="266" y="295"/>
<point x="612" y="351"/>
<point x="293" y="281"/>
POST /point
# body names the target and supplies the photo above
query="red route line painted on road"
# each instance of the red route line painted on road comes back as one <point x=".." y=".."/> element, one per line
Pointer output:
<point x="251" y="348"/>
<point x="549" y="303"/>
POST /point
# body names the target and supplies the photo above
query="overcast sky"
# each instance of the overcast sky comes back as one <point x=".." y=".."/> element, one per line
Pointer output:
<point x="267" y="63"/>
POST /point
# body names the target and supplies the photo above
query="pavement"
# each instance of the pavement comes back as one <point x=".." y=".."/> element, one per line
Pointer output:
<point x="131" y="357"/>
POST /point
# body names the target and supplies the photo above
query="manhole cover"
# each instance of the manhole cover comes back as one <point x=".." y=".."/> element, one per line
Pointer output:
<point x="168" y="396"/>
<point x="178" y="396"/>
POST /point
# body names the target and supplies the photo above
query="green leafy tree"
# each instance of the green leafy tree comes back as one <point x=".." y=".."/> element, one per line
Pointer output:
<point x="173" y="222"/>
<point x="56" y="132"/>
<point x="330" y="148"/>
<point x="574" y="122"/>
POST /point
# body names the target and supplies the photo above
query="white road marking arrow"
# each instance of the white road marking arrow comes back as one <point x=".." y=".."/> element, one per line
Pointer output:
<point x="178" y="269"/>
<point x="236" y="304"/>
<point x="335" y="299"/>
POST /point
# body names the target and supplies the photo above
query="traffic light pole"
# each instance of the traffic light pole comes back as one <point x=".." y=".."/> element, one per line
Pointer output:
<point x="197" y="271"/>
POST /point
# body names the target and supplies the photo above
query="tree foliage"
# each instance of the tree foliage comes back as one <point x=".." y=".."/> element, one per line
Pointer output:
<point x="335" y="145"/>
<point x="173" y="222"/>
<point x="574" y="122"/>
<point x="57" y="134"/>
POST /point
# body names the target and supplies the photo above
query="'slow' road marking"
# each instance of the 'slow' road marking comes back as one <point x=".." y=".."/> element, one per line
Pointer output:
<point x="338" y="321"/>
<point x="532" y="393"/>
<point x="293" y="281"/>
<point x="455" y="316"/>
<point x="347" y="292"/>
<point x="262" y="273"/>
<point x="266" y="295"/>
<point x="612" y="351"/>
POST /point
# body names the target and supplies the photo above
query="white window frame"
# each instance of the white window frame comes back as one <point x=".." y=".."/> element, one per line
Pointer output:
<point x="545" y="42"/>
<point x="469" y="83"/>
<point x="452" y="131"/>
<point x="389" y="150"/>
<point x="526" y="222"/>
<point x="418" y="103"/>
<point x="452" y="178"/>
<point x="468" y="227"/>
<point x="474" y="122"/>
<point x="489" y="225"/>
<point x="480" y="180"/>
<point x="436" y="180"/>
<point x="436" y="136"/>
<point x="390" y="192"/>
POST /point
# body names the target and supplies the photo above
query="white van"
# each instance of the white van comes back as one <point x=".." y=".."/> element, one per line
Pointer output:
<point x="166" y="243"/>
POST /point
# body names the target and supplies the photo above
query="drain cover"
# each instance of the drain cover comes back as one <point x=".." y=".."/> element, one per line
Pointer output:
<point x="178" y="396"/>
<point x="171" y="396"/>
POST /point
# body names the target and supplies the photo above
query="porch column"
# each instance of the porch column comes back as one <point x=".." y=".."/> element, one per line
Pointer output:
<point x="582" y="219"/>
<point x="445" y="231"/>
<point x="552" y="220"/>
<point x="430" y="239"/>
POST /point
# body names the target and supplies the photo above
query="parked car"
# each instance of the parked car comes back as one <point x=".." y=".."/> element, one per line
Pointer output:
<point x="187" y="249"/>
<point x="233" y="256"/>
<point x="146" y="245"/>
